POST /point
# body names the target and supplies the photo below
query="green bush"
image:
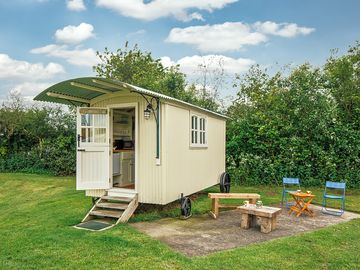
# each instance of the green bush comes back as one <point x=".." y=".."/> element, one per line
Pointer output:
<point x="305" y="124"/>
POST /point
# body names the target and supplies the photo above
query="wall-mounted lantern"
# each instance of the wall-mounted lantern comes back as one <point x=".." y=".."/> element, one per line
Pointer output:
<point x="147" y="112"/>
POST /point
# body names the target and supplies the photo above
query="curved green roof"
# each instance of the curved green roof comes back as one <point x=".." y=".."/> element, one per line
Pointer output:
<point x="80" y="91"/>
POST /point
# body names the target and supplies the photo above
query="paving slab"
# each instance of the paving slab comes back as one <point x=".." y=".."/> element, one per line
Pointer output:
<point x="202" y="235"/>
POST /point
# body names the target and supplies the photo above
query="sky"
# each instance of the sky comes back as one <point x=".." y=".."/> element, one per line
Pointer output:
<point x="43" y="42"/>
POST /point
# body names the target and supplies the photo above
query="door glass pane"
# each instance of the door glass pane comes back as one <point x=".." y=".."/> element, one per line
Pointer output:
<point x="86" y="119"/>
<point x="86" y="135"/>
<point x="100" y="135"/>
<point x="99" y="120"/>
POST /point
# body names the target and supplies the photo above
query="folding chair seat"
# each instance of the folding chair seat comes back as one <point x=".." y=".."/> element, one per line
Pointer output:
<point x="288" y="186"/>
<point x="333" y="186"/>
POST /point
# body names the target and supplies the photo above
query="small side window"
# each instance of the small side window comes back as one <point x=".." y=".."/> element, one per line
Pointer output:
<point x="198" y="131"/>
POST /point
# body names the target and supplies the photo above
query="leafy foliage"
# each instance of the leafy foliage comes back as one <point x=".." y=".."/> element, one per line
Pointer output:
<point x="302" y="125"/>
<point x="36" y="139"/>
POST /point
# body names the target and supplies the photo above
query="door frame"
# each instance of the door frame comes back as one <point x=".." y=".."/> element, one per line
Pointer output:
<point x="111" y="107"/>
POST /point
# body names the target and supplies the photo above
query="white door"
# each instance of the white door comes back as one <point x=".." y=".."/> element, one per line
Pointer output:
<point x="93" y="149"/>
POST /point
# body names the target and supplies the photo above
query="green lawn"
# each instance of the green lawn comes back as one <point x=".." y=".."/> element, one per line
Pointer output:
<point x="37" y="212"/>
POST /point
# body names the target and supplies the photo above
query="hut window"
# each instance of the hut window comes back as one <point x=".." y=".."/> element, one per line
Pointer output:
<point x="198" y="136"/>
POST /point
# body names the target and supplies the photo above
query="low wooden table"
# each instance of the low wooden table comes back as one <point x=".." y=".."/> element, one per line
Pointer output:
<point x="266" y="214"/>
<point x="302" y="202"/>
<point x="252" y="197"/>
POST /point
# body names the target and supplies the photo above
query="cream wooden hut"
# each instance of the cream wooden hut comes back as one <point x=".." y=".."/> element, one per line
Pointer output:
<point x="135" y="145"/>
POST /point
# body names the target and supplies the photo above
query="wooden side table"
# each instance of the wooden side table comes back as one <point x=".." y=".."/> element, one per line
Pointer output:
<point x="302" y="202"/>
<point x="266" y="214"/>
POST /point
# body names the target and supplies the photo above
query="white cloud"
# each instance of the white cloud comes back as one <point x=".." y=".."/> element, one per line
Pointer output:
<point x="282" y="29"/>
<point x="136" y="33"/>
<point x="11" y="69"/>
<point x="76" y="5"/>
<point x="152" y="10"/>
<point x="76" y="56"/>
<point x="232" y="36"/>
<point x="229" y="36"/>
<point x="72" y="34"/>
<point x="30" y="89"/>
<point x="191" y="65"/>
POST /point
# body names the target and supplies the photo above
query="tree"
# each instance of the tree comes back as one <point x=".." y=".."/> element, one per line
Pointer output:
<point x="296" y="125"/>
<point x="141" y="69"/>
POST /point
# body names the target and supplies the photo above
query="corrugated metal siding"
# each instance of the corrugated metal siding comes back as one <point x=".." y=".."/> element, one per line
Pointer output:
<point x="189" y="170"/>
<point x="149" y="178"/>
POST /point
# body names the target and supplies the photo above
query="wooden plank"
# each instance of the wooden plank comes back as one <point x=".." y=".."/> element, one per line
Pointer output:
<point x="215" y="207"/>
<point x="245" y="221"/>
<point x="265" y="225"/>
<point x="252" y="200"/>
<point x="211" y="213"/>
<point x="228" y="205"/>
<point x="233" y="195"/>
<point x="109" y="205"/>
<point x="273" y="223"/>
<point x="118" y="199"/>
<point x="264" y="211"/>
<point x="126" y="215"/>
<point x="106" y="213"/>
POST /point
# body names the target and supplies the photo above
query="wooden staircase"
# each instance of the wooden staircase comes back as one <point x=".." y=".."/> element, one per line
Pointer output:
<point x="114" y="209"/>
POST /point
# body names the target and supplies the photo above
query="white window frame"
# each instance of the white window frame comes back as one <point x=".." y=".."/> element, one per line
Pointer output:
<point x="199" y="130"/>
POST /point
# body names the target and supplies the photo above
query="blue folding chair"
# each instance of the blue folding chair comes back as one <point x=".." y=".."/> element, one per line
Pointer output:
<point x="288" y="182"/>
<point x="334" y="186"/>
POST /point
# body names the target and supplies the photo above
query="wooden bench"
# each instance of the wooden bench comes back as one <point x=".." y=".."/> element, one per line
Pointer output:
<point x="252" y="197"/>
<point x="266" y="214"/>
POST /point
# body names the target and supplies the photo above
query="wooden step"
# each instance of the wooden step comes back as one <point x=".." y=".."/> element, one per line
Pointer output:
<point x="118" y="199"/>
<point x="106" y="213"/>
<point x="111" y="205"/>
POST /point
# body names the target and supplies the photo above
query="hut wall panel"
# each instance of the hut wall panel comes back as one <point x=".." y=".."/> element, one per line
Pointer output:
<point x="189" y="170"/>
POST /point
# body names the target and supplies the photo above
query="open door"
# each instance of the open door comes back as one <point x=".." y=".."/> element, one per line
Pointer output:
<point x="93" y="149"/>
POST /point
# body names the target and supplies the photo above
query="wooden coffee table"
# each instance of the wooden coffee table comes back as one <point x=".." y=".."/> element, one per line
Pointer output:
<point x="266" y="214"/>
<point x="302" y="202"/>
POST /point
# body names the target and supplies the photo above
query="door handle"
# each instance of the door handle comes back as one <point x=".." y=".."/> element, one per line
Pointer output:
<point x="78" y="139"/>
<point x="81" y="150"/>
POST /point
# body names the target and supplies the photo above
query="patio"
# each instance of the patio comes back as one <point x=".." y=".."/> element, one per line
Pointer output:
<point x="202" y="235"/>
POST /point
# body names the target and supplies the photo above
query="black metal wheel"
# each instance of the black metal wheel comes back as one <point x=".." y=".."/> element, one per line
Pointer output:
<point x="185" y="207"/>
<point x="225" y="182"/>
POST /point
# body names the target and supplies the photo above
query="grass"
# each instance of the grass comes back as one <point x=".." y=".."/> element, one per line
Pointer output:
<point x="37" y="213"/>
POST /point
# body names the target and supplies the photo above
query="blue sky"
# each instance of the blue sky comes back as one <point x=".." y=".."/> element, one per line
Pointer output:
<point x="47" y="41"/>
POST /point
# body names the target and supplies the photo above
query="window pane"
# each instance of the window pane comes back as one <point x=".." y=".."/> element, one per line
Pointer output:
<point x="99" y="120"/>
<point x="196" y="122"/>
<point x="100" y="135"/>
<point x="86" y="135"/>
<point x="86" y="119"/>
<point x="192" y="122"/>
<point x="204" y="141"/>
<point x="192" y="136"/>
<point x="201" y="137"/>
<point x="195" y="137"/>
<point x="204" y="127"/>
